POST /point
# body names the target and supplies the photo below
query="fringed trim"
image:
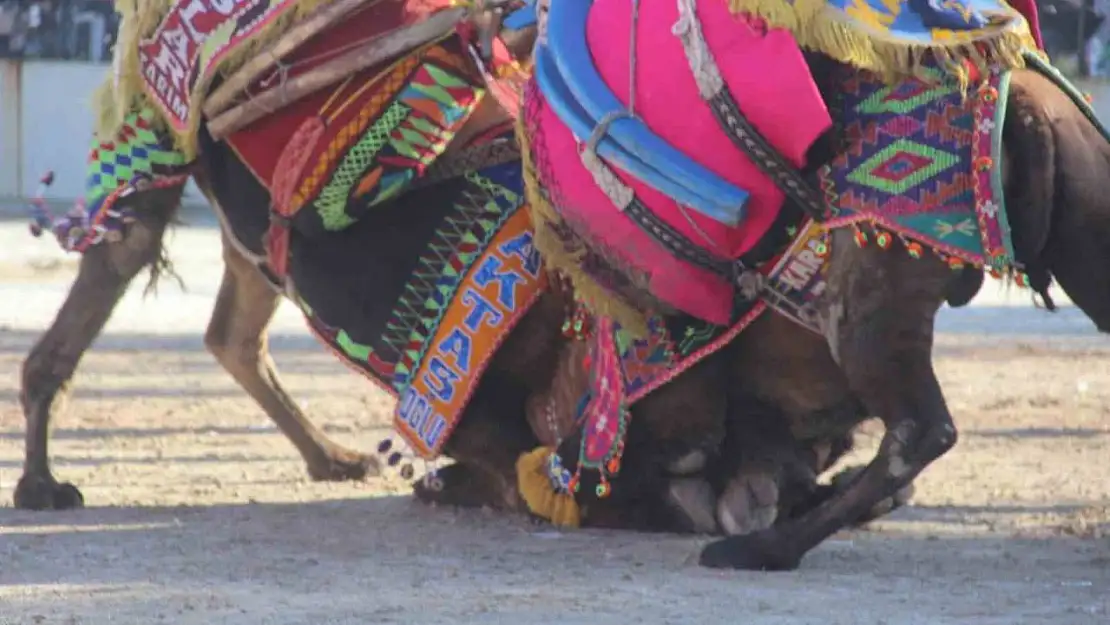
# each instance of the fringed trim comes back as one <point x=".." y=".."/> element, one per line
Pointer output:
<point x="566" y="258"/>
<point x="816" y="27"/>
<point x="869" y="232"/>
<point x="125" y="89"/>
<point x="534" y="484"/>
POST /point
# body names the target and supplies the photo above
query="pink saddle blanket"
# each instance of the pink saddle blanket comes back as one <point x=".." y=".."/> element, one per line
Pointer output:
<point x="768" y="77"/>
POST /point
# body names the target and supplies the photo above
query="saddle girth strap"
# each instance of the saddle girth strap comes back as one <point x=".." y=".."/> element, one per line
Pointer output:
<point x="763" y="155"/>
<point x="777" y="237"/>
<point x="277" y="246"/>
<point x="741" y="132"/>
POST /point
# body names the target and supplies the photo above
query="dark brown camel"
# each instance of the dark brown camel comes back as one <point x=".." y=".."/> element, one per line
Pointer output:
<point x="487" y="444"/>
<point x="668" y="453"/>
<point x="880" y="307"/>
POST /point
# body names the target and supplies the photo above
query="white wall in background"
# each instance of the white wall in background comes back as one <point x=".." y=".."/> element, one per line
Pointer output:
<point x="46" y="122"/>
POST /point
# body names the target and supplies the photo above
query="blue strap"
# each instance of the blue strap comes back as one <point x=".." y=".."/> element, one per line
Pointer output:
<point x="659" y="165"/>
<point x="571" y="113"/>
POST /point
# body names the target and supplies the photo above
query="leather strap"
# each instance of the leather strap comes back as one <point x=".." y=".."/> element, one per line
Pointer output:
<point x="749" y="140"/>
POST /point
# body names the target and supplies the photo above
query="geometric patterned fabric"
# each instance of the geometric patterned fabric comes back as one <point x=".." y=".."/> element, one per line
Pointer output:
<point x="920" y="161"/>
<point x="136" y="150"/>
<point x="428" y="351"/>
<point x="399" y="145"/>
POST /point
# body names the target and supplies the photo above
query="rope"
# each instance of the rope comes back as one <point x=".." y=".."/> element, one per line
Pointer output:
<point x="607" y="120"/>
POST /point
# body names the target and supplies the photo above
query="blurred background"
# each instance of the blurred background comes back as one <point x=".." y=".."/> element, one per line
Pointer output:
<point x="73" y="30"/>
<point x="53" y="54"/>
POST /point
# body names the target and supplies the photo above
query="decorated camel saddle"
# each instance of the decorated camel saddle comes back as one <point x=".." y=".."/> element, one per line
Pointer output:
<point x="672" y="155"/>
<point x="337" y="108"/>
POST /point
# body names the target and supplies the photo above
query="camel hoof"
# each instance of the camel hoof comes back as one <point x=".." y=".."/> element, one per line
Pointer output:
<point x="688" y="464"/>
<point x="38" y="493"/>
<point x="749" y="504"/>
<point x="693" y="499"/>
<point x="455" y="485"/>
<point x="759" y="551"/>
<point x="345" y="466"/>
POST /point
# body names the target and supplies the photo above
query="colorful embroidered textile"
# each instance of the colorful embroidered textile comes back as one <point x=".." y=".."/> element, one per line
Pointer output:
<point x="475" y="277"/>
<point x="136" y="158"/>
<point x="893" y="36"/>
<point x="136" y="151"/>
<point x="169" y="51"/>
<point x="179" y="57"/>
<point x="769" y="79"/>
<point x="920" y="162"/>
<point x="625" y="369"/>
<point x="365" y="140"/>
<point x="798" y="279"/>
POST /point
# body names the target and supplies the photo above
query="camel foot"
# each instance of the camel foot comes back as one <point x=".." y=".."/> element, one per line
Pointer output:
<point x="758" y="551"/>
<point x="35" y="492"/>
<point x="693" y="499"/>
<point x="457" y="485"/>
<point x="344" y="465"/>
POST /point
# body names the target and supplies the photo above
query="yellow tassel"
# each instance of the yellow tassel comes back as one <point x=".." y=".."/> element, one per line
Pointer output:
<point x="535" y="487"/>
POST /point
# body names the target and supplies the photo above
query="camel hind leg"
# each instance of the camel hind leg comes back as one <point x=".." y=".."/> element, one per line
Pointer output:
<point x="103" y="276"/>
<point x="236" y="336"/>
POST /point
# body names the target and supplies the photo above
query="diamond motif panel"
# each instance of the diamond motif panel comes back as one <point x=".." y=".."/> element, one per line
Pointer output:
<point x="902" y="165"/>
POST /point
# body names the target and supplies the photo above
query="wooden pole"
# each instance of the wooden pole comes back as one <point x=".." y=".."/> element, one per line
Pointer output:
<point x="381" y="49"/>
<point x="223" y="97"/>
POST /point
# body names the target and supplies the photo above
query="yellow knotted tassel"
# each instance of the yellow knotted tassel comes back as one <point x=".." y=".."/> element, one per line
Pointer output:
<point x="535" y="488"/>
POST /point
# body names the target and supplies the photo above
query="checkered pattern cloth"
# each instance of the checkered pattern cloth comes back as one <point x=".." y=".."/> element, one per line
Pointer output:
<point x="136" y="151"/>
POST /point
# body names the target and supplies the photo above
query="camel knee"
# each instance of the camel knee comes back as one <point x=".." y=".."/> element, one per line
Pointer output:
<point x="44" y="375"/>
<point x="232" y="353"/>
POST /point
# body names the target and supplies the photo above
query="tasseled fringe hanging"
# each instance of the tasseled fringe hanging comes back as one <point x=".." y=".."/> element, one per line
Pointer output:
<point x="817" y="28"/>
<point x="534" y="484"/>
<point x="884" y="238"/>
<point x="598" y="300"/>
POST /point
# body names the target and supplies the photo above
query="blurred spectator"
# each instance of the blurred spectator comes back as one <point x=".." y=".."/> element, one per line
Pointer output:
<point x="81" y="30"/>
<point x="9" y="11"/>
<point x="1097" y="50"/>
<point x="1068" y="27"/>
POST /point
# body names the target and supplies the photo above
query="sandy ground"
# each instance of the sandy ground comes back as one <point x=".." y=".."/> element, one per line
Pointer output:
<point x="200" y="512"/>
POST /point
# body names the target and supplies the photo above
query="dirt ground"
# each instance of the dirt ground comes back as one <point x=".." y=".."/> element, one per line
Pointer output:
<point x="200" y="512"/>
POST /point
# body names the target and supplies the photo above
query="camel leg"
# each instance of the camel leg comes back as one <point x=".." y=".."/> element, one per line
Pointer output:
<point x="236" y="336"/>
<point x="104" y="273"/>
<point x="879" y="315"/>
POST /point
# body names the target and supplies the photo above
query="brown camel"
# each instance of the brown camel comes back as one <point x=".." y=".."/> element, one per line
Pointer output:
<point x="880" y="307"/>
<point x="680" y="427"/>
<point x="664" y="489"/>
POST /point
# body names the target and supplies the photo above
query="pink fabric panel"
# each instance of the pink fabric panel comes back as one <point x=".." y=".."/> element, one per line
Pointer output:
<point x="680" y="284"/>
<point x="788" y="110"/>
